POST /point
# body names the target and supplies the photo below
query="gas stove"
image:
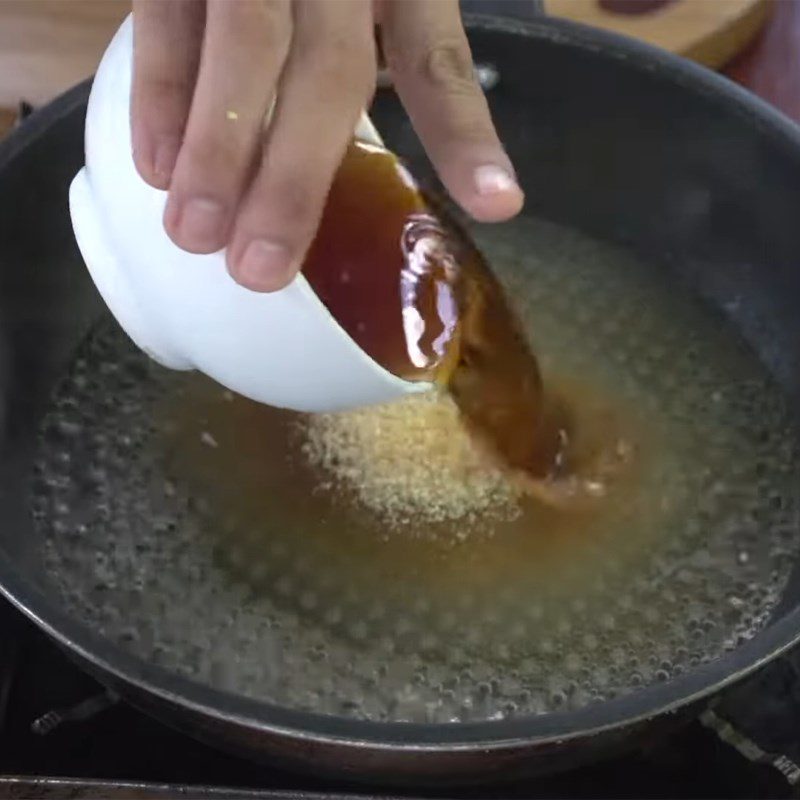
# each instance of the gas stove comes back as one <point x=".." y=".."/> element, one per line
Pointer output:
<point x="63" y="735"/>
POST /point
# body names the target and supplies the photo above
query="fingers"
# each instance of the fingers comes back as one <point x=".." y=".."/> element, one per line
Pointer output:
<point x="428" y="55"/>
<point x="243" y="51"/>
<point x="206" y="72"/>
<point x="327" y="81"/>
<point x="167" y="38"/>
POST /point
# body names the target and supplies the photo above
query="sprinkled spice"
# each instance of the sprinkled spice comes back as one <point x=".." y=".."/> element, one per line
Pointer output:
<point x="409" y="461"/>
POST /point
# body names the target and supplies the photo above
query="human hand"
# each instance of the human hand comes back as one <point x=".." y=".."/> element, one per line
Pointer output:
<point x="205" y="74"/>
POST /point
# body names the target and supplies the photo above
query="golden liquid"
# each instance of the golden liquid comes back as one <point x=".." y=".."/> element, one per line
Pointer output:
<point x="256" y="458"/>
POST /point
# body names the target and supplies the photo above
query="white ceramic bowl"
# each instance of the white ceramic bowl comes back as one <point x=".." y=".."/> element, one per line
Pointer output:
<point x="284" y="349"/>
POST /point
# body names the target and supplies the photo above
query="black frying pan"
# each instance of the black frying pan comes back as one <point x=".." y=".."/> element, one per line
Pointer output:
<point x="608" y="137"/>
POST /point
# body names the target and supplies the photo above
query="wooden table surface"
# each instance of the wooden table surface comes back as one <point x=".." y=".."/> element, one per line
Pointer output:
<point x="46" y="46"/>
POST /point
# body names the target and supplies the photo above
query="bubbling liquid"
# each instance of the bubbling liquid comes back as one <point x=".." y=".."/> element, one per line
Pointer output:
<point x="189" y="526"/>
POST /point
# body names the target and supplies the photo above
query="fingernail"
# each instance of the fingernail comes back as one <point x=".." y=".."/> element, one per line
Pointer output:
<point x="491" y="179"/>
<point x="264" y="264"/>
<point x="202" y="223"/>
<point x="166" y="155"/>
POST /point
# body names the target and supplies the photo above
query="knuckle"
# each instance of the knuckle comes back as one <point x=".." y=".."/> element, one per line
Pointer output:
<point x="449" y="65"/>
<point x="444" y="63"/>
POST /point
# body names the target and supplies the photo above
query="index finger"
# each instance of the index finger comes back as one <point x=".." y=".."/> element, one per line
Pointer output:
<point x="428" y="55"/>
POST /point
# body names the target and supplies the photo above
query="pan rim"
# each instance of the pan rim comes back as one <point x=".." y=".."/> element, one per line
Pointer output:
<point x="419" y="738"/>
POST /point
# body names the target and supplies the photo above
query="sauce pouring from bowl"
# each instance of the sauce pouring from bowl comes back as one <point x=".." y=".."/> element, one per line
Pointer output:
<point x="413" y="291"/>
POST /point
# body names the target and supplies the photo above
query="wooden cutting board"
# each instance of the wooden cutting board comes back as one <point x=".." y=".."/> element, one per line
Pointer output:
<point x="709" y="31"/>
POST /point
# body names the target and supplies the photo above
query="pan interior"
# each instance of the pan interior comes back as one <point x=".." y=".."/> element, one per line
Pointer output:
<point x="190" y="526"/>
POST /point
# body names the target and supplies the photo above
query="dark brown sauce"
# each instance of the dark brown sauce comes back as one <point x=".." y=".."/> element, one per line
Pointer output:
<point x="416" y="295"/>
<point x="373" y="230"/>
